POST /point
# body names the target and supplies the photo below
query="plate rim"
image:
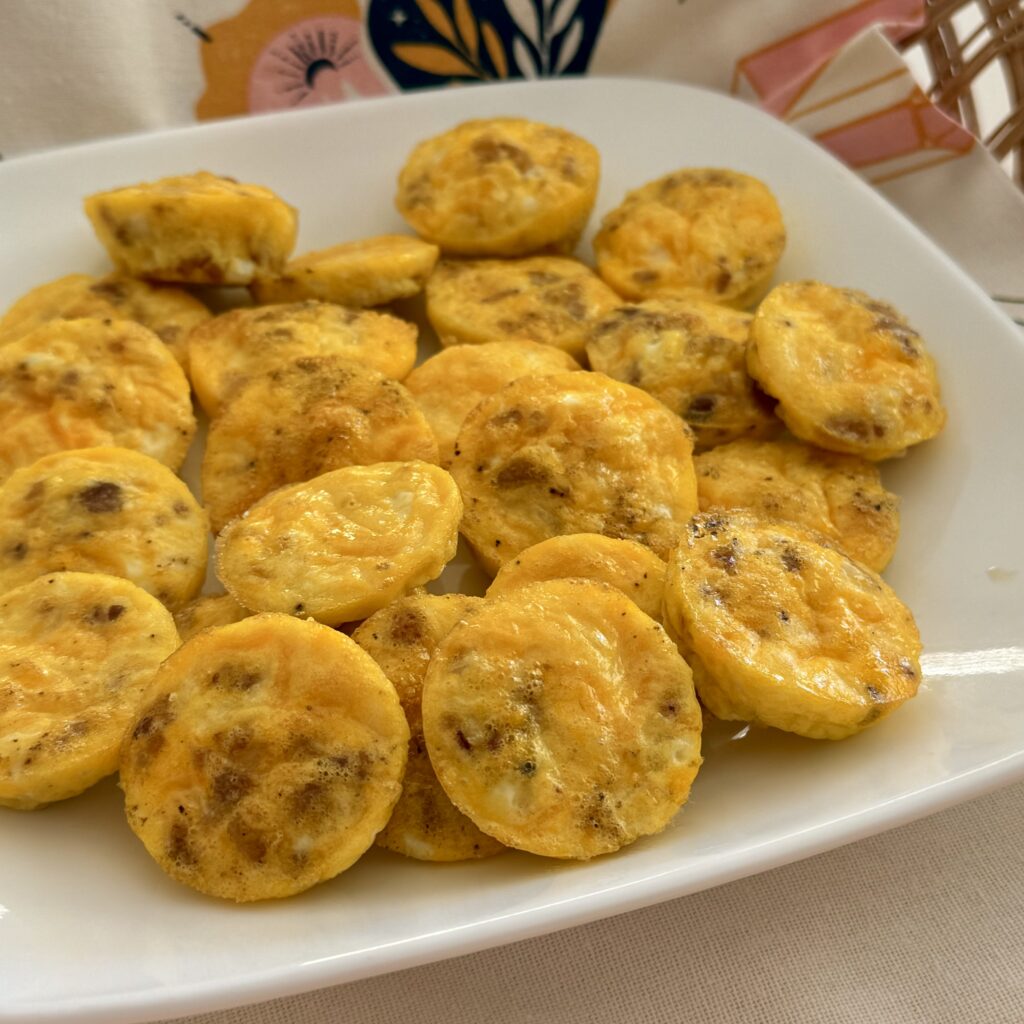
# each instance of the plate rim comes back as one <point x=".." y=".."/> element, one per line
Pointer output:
<point x="342" y="968"/>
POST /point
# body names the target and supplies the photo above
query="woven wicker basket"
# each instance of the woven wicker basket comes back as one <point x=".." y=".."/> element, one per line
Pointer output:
<point x="959" y="42"/>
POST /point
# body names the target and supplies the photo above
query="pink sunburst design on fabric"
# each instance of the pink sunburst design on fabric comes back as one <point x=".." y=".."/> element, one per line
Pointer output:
<point x="318" y="60"/>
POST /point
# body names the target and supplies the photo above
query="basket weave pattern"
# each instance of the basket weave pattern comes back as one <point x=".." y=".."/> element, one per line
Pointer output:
<point x="957" y="58"/>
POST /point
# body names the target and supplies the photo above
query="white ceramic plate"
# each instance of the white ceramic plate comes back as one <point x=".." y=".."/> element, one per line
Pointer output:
<point x="90" y="928"/>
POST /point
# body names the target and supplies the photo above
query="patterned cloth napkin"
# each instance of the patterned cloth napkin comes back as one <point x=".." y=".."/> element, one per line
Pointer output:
<point x="923" y="924"/>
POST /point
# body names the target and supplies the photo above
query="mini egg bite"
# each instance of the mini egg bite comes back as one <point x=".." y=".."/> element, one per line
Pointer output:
<point x="90" y="382"/>
<point x="572" y="453"/>
<point x="690" y="355"/>
<point x="206" y="611"/>
<point x="840" y="497"/>
<point x="197" y="228"/>
<point x="449" y="384"/>
<point x="266" y="756"/>
<point x="783" y="631"/>
<point x="226" y="352"/>
<point x="402" y="638"/>
<point x="562" y="720"/>
<point x="77" y="651"/>
<point x="850" y="374"/>
<point x="629" y="567"/>
<point x="103" y="510"/>
<point x="367" y="272"/>
<point x="545" y="299"/>
<point x="340" y="546"/>
<point x="706" y="233"/>
<point x="501" y="186"/>
<point x="302" y="419"/>
<point x="169" y="312"/>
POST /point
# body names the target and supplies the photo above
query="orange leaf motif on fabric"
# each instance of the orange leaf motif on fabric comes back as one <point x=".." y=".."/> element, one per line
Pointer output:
<point x="439" y="21"/>
<point x="466" y="24"/>
<point x="435" y="60"/>
<point x="494" y="49"/>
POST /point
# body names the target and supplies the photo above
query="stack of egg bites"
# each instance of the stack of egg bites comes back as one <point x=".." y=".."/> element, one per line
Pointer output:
<point x="697" y="521"/>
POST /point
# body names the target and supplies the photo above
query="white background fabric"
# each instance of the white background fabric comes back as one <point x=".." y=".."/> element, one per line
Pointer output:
<point x="920" y="925"/>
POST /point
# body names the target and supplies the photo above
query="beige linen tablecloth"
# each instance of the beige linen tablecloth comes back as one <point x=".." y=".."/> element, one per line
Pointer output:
<point x="920" y="925"/>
